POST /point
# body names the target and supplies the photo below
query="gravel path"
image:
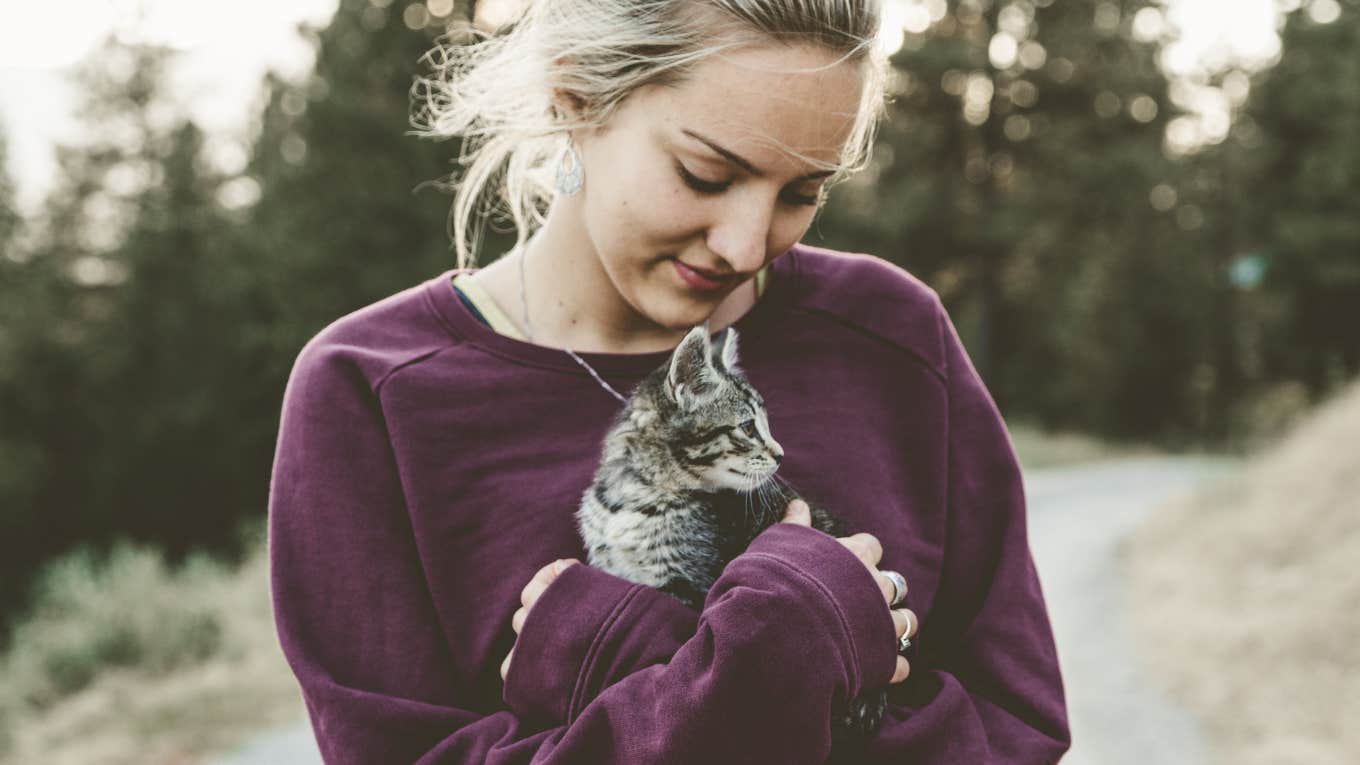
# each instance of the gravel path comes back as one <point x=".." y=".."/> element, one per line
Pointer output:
<point x="1077" y="517"/>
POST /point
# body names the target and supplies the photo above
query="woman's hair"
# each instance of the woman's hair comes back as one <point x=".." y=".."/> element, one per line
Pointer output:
<point x="497" y="91"/>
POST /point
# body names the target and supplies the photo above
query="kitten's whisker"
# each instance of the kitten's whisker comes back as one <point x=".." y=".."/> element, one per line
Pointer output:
<point x="769" y="500"/>
<point x="783" y="484"/>
<point x="748" y="503"/>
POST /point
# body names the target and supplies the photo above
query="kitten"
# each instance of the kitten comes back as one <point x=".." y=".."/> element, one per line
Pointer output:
<point x="687" y="480"/>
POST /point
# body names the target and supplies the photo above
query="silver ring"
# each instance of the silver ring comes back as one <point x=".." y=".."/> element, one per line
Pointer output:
<point x="899" y="586"/>
<point x="904" y="642"/>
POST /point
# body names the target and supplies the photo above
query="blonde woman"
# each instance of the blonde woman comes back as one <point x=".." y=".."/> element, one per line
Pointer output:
<point x="660" y="160"/>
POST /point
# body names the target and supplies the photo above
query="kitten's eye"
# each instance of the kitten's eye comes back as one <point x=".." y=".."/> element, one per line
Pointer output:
<point x="749" y="428"/>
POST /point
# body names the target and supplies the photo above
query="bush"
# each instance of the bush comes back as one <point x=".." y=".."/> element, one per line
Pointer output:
<point x="125" y="608"/>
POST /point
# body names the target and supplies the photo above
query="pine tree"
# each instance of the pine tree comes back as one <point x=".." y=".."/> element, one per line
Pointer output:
<point x="1304" y="199"/>
<point x="10" y="219"/>
<point x="349" y="213"/>
<point x="174" y="320"/>
<point x="65" y="386"/>
<point x="1013" y="174"/>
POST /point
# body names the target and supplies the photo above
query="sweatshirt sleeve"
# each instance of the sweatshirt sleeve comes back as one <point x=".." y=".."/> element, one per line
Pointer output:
<point x="588" y="630"/>
<point x="985" y="686"/>
<point x="358" y="626"/>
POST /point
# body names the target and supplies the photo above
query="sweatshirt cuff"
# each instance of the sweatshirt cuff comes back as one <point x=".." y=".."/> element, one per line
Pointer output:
<point x="856" y="600"/>
<point x="588" y="630"/>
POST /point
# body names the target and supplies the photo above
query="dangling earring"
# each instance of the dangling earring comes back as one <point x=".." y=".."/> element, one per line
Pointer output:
<point x="569" y="173"/>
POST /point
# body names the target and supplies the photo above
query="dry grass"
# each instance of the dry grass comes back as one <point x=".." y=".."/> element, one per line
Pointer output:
<point x="1247" y="598"/>
<point x="1037" y="448"/>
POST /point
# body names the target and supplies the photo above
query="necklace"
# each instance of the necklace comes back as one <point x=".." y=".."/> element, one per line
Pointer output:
<point x="529" y="330"/>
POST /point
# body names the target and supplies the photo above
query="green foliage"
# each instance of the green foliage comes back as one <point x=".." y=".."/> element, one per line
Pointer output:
<point x="124" y="609"/>
<point x="151" y="327"/>
<point x="1305" y="209"/>
<point x="1019" y="190"/>
<point x="104" y="621"/>
<point x="10" y="220"/>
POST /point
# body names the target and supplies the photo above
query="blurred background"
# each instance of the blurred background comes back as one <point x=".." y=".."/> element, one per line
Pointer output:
<point x="1143" y="215"/>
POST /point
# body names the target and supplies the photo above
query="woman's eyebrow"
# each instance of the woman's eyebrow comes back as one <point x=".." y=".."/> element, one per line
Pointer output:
<point x="745" y="164"/>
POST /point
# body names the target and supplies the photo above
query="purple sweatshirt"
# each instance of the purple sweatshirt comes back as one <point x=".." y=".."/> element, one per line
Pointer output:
<point x="428" y="466"/>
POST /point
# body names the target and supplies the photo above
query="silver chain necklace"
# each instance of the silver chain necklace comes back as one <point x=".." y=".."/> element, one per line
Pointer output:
<point x="529" y="330"/>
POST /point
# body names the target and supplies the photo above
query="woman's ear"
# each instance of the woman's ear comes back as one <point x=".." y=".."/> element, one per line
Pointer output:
<point x="566" y="106"/>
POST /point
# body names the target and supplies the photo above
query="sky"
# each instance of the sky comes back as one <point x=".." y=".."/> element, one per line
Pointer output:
<point x="228" y="46"/>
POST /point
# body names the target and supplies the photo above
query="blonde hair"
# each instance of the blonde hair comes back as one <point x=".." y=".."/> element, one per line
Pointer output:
<point x="496" y="92"/>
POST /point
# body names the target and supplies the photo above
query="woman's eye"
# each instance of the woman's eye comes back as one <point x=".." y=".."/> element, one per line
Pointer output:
<point x="717" y="187"/>
<point x="749" y="428"/>
<point x="700" y="185"/>
<point x="804" y="199"/>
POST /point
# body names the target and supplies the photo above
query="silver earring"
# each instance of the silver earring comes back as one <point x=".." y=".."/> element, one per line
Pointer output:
<point x="569" y="173"/>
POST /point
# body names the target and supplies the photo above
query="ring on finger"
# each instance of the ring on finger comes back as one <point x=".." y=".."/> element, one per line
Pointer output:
<point x="899" y="586"/>
<point x="904" y="642"/>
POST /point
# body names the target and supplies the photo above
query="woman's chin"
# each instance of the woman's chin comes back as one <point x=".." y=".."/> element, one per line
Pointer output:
<point x="681" y="314"/>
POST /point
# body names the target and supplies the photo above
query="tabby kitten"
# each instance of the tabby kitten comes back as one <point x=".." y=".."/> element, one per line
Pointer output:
<point x="686" y="482"/>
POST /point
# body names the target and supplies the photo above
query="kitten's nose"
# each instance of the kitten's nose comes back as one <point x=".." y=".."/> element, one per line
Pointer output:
<point x="777" y="451"/>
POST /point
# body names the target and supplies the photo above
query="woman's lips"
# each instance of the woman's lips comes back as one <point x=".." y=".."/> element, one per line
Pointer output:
<point x="701" y="280"/>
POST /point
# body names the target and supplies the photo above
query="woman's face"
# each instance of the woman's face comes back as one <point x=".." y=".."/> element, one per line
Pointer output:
<point x="687" y="190"/>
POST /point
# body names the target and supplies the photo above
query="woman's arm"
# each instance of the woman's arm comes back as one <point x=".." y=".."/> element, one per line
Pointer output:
<point x="359" y="628"/>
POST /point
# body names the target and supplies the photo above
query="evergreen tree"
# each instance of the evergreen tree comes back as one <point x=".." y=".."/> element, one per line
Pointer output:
<point x="349" y="211"/>
<point x="10" y="220"/>
<point x="1304" y="198"/>
<point x="168" y="471"/>
<point x="57" y="397"/>
<point x="1013" y="175"/>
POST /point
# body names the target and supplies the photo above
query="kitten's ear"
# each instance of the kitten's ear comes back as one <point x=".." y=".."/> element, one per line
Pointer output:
<point x="726" y="354"/>
<point x="691" y="374"/>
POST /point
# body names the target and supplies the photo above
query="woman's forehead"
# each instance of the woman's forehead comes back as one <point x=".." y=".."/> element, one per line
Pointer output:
<point x="764" y="104"/>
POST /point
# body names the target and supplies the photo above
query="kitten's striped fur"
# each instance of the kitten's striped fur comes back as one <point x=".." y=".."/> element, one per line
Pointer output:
<point x="687" y="480"/>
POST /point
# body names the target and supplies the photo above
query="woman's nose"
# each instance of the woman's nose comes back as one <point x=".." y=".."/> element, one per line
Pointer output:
<point x="742" y="237"/>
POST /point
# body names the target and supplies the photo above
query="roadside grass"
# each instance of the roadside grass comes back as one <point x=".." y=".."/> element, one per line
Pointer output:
<point x="124" y="659"/>
<point x="1037" y="448"/>
<point x="1245" y="597"/>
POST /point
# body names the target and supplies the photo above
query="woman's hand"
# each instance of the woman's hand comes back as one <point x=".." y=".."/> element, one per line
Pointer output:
<point x="867" y="548"/>
<point x="529" y="595"/>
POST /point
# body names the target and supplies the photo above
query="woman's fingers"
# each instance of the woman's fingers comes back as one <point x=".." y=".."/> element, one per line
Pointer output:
<point x="903" y="669"/>
<point x="529" y="595"/>
<point x="542" y="579"/>
<point x="798" y="512"/>
<point x="865" y="546"/>
<point x="904" y="621"/>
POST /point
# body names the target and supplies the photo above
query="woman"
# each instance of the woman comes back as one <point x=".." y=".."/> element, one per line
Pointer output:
<point x="434" y="446"/>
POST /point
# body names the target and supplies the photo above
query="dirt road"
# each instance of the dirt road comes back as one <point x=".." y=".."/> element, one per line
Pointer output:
<point x="1078" y="516"/>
